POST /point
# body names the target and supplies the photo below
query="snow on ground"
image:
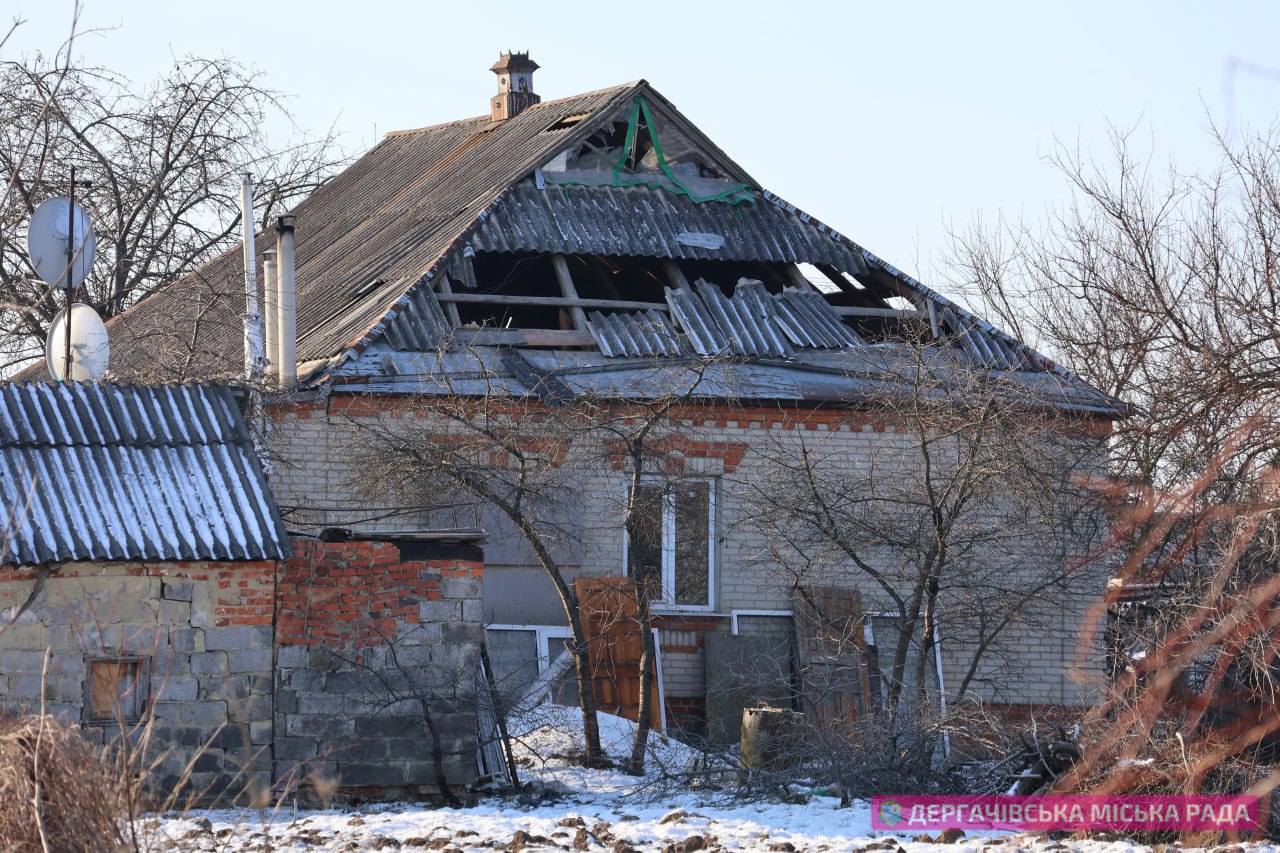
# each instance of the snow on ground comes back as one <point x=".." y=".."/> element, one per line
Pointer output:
<point x="580" y="809"/>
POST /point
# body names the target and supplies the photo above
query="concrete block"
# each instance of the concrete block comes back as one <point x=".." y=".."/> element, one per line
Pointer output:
<point x="439" y="611"/>
<point x="207" y="713"/>
<point x="321" y="704"/>
<point x="209" y="663"/>
<point x="19" y="661"/>
<point x="176" y="589"/>
<point x="250" y="708"/>
<point x="183" y="639"/>
<point x="255" y="660"/>
<point x="286" y="702"/>
<point x="292" y="657"/>
<point x="261" y="636"/>
<point x="176" y="689"/>
<point x="459" y="588"/>
<point x="296" y="748"/>
<point x="463" y="632"/>
<point x="325" y="728"/>
<point x="233" y="638"/>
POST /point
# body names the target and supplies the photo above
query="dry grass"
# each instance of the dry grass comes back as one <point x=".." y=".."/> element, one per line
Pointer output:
<point x="56" y="795"/>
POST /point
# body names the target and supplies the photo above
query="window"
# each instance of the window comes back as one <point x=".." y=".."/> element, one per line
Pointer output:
<point x="672" y="542"/>
<point x="522" y="656"/>
<point x="117" y="690"/>
<point x="882" y="631"/>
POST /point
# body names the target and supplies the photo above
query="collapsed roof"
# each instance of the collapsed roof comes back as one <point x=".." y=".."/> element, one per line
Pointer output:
<point x="591" y="233"/>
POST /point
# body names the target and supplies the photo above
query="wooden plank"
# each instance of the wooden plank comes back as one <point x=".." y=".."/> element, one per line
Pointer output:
<point x="552" y="301"/>
<point x="444" y="288"/>
<point x="902" y="314"/>
<point x="570" y="292"/>
<point x="675" y="275"/>
<point x="523" y="337"/>
<point x="833" y="655"/>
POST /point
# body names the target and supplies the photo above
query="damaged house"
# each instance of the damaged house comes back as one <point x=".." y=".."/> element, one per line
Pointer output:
<point x="600" y="251"/>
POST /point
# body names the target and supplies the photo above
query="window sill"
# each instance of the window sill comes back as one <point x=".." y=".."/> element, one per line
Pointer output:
<point x="658" y="609"/>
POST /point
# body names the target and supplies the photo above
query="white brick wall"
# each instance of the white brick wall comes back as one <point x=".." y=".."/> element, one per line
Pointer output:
<point x="1038" y="662"/>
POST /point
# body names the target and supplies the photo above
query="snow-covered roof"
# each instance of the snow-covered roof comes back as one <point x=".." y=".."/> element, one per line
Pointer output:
<point x="130" y="473"/>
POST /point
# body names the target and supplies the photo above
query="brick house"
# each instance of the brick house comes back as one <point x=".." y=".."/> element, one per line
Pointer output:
<point x="147" y="583"/>
<point x="600" y="247"/>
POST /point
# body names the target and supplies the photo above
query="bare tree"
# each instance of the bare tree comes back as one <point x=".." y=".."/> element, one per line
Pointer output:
<point x="963" y="519"/>
<point x="1161" y="287"/>
<point x="532" y="458"/>
<point x="158" y="172"/>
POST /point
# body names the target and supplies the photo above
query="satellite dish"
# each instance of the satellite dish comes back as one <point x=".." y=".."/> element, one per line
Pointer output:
<point x="89" y="345"/>
<point x="51" y="229"/>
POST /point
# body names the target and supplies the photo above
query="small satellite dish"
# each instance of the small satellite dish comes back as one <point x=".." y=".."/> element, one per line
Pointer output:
<point x="48" y="235"/>
<point x="89" y="345"/>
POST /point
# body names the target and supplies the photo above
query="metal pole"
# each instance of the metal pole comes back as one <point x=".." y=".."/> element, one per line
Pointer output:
<point x="71" y="253"/>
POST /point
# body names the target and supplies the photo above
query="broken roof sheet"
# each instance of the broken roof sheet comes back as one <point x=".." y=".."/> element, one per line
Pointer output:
<point x="648" y="221"/>
<point x="374" y="240"/>
<point x="125" y="472"/>
<point x="855" y="375"/>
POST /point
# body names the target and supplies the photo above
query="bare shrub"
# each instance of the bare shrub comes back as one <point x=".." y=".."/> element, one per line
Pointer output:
<point x="55" y="793"/>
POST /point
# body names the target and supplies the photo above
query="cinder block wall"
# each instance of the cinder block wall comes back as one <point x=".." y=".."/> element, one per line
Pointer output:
<point x="364" y="632"/>
<point x="371" y="636"/>
<point x="203" y="636"/>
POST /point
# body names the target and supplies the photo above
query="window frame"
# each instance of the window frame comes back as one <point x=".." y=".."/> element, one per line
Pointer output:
<point x="138" y="697"/>
<point x="667" y="603"/>
<point x="868" y="635"/>
<point x="543" y="635"/>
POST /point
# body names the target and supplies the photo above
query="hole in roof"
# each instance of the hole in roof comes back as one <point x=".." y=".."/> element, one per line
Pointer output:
<point x="566" y="122"/>
<point x="816" y="278"/>
<point x="359" y="291"/>
<point x="899" y="303"/>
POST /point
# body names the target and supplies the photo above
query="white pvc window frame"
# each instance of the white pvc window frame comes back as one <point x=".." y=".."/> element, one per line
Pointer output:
<point x="543" y="635"/>
<point x="868" y="633"/>
<point x="667" y="603"/>
<point x="733" y="617"/>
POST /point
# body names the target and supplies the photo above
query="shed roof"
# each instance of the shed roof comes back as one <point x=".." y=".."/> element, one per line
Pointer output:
<point x="109" y="472"/>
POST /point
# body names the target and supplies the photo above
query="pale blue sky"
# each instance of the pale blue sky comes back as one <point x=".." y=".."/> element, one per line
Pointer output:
<point x="888" y="121"/>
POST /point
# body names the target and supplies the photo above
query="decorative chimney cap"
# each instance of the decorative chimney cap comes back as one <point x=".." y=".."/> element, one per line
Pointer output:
<point x="513" y="61"/>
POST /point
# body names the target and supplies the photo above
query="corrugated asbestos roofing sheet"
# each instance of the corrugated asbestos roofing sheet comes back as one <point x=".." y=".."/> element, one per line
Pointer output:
<point x="391" y="216"/>
<point x="752" y="323"/>
<point x="373" y="240"/>
<point x="108" y="472"/>
<point x="652" y="222"/>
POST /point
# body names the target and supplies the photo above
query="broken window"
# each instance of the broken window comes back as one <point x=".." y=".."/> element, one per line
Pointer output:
<point x="671" y="542"/>
<point x="882" y="633"/>
<point x="117" y="690"/>
<point x="531" y="659"/>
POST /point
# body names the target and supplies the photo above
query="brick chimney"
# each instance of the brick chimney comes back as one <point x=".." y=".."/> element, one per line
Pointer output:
<point x="515" y="86"/>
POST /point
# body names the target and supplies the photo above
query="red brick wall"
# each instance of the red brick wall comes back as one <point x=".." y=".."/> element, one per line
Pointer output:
<point x="355" y="593"/>
<point x="721" y="415"/>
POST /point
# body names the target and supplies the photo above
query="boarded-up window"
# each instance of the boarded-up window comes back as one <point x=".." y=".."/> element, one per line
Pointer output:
<point x="117" y="690"/>
<point x="671" y="542"/>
